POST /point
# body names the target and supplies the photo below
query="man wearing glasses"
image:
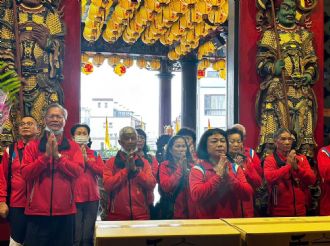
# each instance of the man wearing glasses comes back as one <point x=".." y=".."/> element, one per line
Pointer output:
<point x="14" y="186"/>
<point x="50" y="166"/>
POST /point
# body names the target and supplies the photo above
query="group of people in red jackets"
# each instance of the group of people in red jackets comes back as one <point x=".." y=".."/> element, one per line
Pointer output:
<point x="49" y="186"/>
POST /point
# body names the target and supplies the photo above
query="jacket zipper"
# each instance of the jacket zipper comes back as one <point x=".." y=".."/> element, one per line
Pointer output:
<point x="130" y="199"/>
<point x="294" y="197"/>
<point x="52" y="189"/>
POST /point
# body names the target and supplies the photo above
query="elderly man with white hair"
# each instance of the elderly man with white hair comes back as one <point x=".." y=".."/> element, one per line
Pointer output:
<point x="128" y="179"/>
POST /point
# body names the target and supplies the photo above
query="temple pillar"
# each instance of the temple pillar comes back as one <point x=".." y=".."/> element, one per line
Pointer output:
<point x="165" y="79"/>
<point x="189" y="89"/>
<point x="71" y="68"/>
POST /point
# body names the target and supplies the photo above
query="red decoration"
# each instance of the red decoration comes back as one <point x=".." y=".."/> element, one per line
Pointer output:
<point x="87" y="68"/>
<point x="201" y="74"/>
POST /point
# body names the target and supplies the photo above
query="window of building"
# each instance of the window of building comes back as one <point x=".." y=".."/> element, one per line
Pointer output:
<point x="215" y="105"/>
<point x="106" y="105"/>
<point x="99" y="105"/>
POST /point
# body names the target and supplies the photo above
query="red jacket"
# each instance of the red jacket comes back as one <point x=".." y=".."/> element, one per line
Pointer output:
<point x="215" y="197"/>
<point x="3" y="185"/>
<point x="18" y="184"/>
<point x="323" y="163"/>
<point x="50" y="183"/>
<point x="86" y="188"/>
<point x="254" y="179"/>
<point x="170" y="176"/>
<point x="128" y="191"/>
<point x="249" y="152"/>
<point x="286" y="186"/>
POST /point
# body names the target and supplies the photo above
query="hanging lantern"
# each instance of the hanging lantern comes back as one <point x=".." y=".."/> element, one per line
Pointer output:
<point x="178" y="7"/>
<point x="214" y="3"/>
<point x="155" y="64"/>
<point x="90" y="34"/>
<point x="203" y="64"/>
<point x="128" y="62"/>
<point x="148" y="38"/>
<point x="165" y="41"/>
<point x="173" y="56"/>
<point x="119" y="69"/>
<point x="153" y="5"/>
<point x="84" y="58"/>
<point x="219" y="15"/>
<point x="189" y="2"/>
<point x="194" y="15"/>
<point x="219" y="65"/>
<point x="98" y="59"/>
<point x="223" y="74"/>
<point x="159" y="22"/>
<point x="164" y="2"/>
<point x="177" y="29"/>
<point x="87" y="68"/>
<point x="113" y="60"/>
<point x="144" y="15"/>
<point x="128" y="38"/>
<point x="121" y="14"/>
<point x="128" y="4"/>
<point x="169" y="16"/>
<point x="200" y="73"/>
<point x="201" y="30"/>
<point x="141" y="63"/>
<point x="203" y="7"/>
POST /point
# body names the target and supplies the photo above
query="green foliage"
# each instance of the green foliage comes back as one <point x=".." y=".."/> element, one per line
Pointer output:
<point x="10" y="83"/>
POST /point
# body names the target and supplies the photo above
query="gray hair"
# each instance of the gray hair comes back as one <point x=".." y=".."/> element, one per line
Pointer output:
<point x="278" y="133"/>
<point x="125" y="130"/>
<point x="241" y="128"/>
<point x="56" y="105"/>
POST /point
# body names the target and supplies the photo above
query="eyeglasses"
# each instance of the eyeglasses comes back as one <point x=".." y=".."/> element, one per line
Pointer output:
<point x="29" y="123"/>
<point x="54" y="117"/>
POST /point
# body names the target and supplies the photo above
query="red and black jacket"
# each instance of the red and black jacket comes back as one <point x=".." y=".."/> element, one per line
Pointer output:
<point x="50" y="182"/>
<point x="286" y="185"/>
<point x="128" y="190"/>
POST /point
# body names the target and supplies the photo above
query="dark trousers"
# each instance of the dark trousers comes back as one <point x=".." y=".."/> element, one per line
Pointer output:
<point x="49" y="230"/>
<point x="85" y="223"/>
<point x="17" y="221"/>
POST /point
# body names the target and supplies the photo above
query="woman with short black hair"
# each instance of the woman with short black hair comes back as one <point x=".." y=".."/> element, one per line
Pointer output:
<point x="217" y="184"/>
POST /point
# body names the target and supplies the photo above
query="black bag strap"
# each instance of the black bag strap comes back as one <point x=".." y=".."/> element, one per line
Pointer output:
<point x="10" y="161"/>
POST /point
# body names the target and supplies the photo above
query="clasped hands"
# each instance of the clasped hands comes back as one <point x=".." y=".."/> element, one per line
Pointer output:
<point x="292" y="160"/>
<point x="52" y="147"/>
<point x="220" y="169"/>
<point x="130" y="162"/>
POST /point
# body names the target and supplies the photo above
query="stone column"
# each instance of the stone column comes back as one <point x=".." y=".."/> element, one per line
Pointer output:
<point x="189" y="89"/>
<point x="165" y="79"/>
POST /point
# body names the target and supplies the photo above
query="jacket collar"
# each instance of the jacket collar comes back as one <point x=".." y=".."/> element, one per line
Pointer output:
<point x="63" y="145"/>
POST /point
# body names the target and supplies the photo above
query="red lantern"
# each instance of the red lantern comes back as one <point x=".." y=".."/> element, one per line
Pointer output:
<point x="87" y="68"/>
<point x="120" y="69"/>
<point x="200" y="74"/>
